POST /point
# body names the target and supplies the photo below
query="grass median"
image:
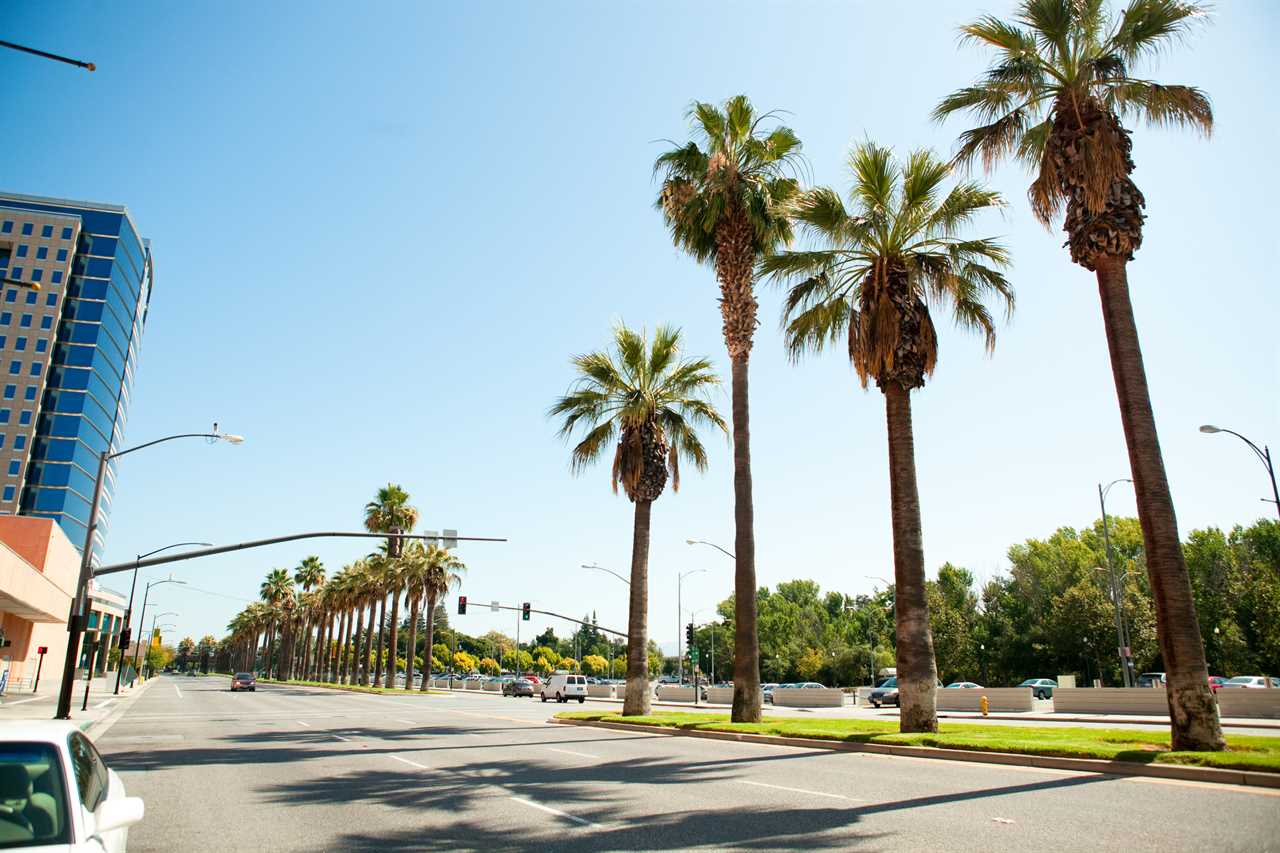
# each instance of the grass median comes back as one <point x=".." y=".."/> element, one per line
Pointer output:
<point x="1243" y="752"/>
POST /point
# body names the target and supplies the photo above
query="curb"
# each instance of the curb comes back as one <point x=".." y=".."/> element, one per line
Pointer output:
<point x="1214" y="775"/>
<point x="1262" y="723"/>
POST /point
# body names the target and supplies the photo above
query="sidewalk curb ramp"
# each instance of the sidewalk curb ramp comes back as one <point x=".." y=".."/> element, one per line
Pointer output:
<point x="1084" y="765"/>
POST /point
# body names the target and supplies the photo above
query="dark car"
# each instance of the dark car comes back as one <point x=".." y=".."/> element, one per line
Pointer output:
<point x="518" y="687"/>
<point x="885" y="693"/>
<point x="243" y="681"/>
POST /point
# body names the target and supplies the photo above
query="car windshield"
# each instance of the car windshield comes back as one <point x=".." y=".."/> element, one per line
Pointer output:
<point x="889" y="682"/>
<point x="1241" y="679"/>
<point x="1030" y="682"/>
<point x="33" y="795"/>
<point x="244" y="676"/>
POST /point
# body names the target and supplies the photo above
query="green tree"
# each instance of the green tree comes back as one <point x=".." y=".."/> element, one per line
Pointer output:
<point x="443" y="571"/>
<point x="275" y="591"/>
<point x="489" y="666"/>
<point x="645" y="402"/>
<point x="595" y="665"/>
<point x="727" y="198"/>
<point x="867" y="284"/>
<point x="1054" y="99"/>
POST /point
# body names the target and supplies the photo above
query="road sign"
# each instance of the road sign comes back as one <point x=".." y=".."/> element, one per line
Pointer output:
<point x="493" y="607"/>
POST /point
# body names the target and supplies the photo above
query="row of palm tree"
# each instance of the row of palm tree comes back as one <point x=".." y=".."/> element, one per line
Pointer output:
<point x="1053" y="99"/>
<point x="344" y="629"/>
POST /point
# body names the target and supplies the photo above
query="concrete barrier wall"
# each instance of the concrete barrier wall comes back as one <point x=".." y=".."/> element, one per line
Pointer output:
<point x="1244" y="702"/>
<point x="473" y="685"/>
<point x="673" y="693"/>
<point x="1111" y="700"/>
<point x="600" y="691"/>
<point x="1000" y="699"/>
<point x="492" y="686"/>
<point x="799" y="697"/>
<point x="862" y="696"/>
<point x="720" y="695"/>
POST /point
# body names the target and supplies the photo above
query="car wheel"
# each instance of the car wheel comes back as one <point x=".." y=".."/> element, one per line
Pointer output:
<point x="581" y="699"/>
<point x="559" y="698"/>
<point x="544" y="697"/>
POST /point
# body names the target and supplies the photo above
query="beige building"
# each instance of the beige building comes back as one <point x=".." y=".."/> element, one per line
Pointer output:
<point x="38" y="571"/>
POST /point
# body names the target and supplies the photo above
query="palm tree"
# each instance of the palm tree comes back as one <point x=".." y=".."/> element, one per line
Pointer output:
<point x="644" y="402"/>
<point x="385" y="576"/>
<point x="1055" y="99"/>
<point x="388" y="511"/>
<point x="868" y="284"/>
<point x="308" y="575"/>
<point x="277" y="587"/>
<point x="413" y="573"/>
<point x="728" y="202"/>
<point x="444" y="570"/>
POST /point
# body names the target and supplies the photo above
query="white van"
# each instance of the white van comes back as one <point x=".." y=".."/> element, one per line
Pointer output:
<point x="562" y="687"/>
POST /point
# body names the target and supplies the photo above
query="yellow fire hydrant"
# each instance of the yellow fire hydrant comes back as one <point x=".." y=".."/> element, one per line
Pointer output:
<point x="985" y="705"/>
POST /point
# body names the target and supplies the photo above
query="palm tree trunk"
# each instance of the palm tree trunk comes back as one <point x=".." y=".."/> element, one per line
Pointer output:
<point x="431" y="638"/>
<point x="271" y="643"/>
<point x="746" y="641"/>
<point x="393" y="639"/>
<point x="344" y="649"/>
<point x="636" y="699"/>
<point x="917" y="671"/>
<point x="412" y="649"/>
<point x="366" y="662"/>
<point x="382" y="628"/>
<point x="303" y="665"/>
<point x="1193" y="714"/>
<point x="357" y="670"/>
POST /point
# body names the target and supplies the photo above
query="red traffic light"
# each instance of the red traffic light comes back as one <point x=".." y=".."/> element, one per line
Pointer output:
<point x="42" y="650"/>
<point x="462" y="605"/>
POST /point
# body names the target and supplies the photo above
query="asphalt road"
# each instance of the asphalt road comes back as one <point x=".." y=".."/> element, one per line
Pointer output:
<point x="305" y="769"/>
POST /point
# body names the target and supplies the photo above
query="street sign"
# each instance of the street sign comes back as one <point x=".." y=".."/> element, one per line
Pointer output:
<point x="493" y="607"/>
<point x="450" y="538"/>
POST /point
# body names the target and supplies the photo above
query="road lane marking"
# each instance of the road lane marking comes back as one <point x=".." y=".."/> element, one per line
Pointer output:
<point x="540" y="807"/>
<point x="798" y="790"/>
<point x="176" y="690"/>
<point x="571" y="752"/>
<point x="408" y="722"/>
<point x="306" y="725"/>
<point x="340" y="737"/>
<point x="20" y="701"/>
<point x="410" y="763"/>
<point x="103" y="703"/>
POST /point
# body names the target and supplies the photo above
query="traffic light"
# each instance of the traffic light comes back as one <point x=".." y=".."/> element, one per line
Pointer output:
<point x="688" y="635"/>
<point x="524" y="612"/>
<point x="125" y="637"/>
<point x="462" y="605"/>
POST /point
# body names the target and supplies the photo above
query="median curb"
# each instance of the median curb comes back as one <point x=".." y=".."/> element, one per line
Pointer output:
<point x="1185" y="773"/>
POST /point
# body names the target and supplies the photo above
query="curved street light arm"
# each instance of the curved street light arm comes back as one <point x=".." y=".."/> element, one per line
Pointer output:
<point x="610" y="571"/>
<point x="214" y="435"/>
<point x="712" y="544"/>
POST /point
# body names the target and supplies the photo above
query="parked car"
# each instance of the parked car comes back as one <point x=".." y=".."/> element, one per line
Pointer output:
<point x="1041" y="688"/>
<point x="885" y="693"/>
<point x="517" y="687"/>
<point x="1217" y="681"/>
<point x="1254" y="681"/>
<point x="965" y="685"/>
<point x="1152" y="679"/>
<point x="767" y="690"/>
<point x="244" y="681"/>
<point x="562" y="687"/>
<point x="530" y="677"/>
<point x="810" y="685"/>
<point x="56" y="792"/>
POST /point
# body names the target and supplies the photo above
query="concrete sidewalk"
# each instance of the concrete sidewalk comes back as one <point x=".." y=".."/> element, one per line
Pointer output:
<point x="43" y="705"/>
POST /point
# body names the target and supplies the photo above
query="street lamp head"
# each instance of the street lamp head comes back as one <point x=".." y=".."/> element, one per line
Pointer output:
<point x="231" y="438"/>
<point x="691" y="541"/>
<point x="1209" y="428"/>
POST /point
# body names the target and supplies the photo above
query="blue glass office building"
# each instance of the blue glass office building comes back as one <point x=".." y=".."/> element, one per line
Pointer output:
<point x="68" y="351"/>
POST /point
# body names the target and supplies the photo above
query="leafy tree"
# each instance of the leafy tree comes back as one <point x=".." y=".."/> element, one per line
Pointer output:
<point x="595" y="665"/>
<point x="463" y="662"/>
<point x="1062" y="82"/>
<point x="443" y="571"/>
<point x="867" y="284"/>
<point x="645" y="401"/>
<point x="489" y="666"/>
<point x="727" y="199"/>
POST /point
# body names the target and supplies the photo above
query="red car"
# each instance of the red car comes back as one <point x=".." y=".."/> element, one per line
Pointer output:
<point x="244" y="681"/>
<point x="529" y="676"/>
<point x="1216" y="681"/>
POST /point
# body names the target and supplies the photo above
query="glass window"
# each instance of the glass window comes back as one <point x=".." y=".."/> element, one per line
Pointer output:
<point x="20" y="442"/>
<point x="10" y="391"/>
<point x="66" y="233"/>
<point x="36" y="768"/>
<point x="22" y="251"/>
<point x="16" y="273"/>
<point x="56" y="277"/>
<point x="2" y="341"/>
<point x="15" y="441"/>
<point x="15" y="367"/>
<point x="19" y="344"/>
<point x="42" y="345"/>
<point x="35" y="368"/>
<point x="8" y="493"/>
<point x="52" y="299"/>
<point x="4" y="416"/>
<point x="90" y="772"/>
<point x="46" y="322"/>
<point x="46" y="232"/>
<point x="62" y="254"/>
<point x="25" y="322"/>
<point x="26" y="229"/>
<point x="30" y="393"/>
<point x="14" y="467"/>
<point x="42" y="252"/>
<point x="7" y="227"/>
<point x="25" y="418"/>
<point x="5" y="318"/>
<point x="11" y="295"/>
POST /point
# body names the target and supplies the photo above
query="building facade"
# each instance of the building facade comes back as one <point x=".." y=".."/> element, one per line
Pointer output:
<point x="77" y="283"/>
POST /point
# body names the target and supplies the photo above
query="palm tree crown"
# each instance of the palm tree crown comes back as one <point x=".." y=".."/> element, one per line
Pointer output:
<point x="277" y="587"/>
<point x="881" y="264"/>
<point x="310" y="573"/>
<point x="648" y="398"/>
<point x="390" y="508"/>
<point x="1054" y="99"/>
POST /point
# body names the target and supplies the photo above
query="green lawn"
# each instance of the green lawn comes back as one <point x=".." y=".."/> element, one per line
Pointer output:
<point x="1243" y="753"/>
<point x="354" y="688"/>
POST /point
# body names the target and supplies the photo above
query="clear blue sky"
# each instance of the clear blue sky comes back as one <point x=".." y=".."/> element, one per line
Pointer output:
<point x="379" y="236"/>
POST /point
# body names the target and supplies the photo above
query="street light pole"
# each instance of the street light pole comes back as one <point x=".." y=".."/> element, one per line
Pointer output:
<point x="1116" y="596"/>
<point x="142" y="615"/>
<point x="712" y="544"/>
<point x="79" y="615"/>
<point x="680" y="624"/>
<point x="151" y="636"/>
<point x="1264" y="455"/>
<point x="128" y="613"/>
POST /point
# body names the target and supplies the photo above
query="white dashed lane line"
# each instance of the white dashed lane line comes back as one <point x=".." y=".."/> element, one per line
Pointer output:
<point x="798" y="791"/>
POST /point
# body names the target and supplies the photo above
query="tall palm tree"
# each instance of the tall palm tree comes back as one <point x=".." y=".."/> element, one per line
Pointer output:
<point x="868" y="283"/>
<point x="277" y="587"/>
<point x="444" y="571"/>
<point x="727" y="199"/>
<point x="413" y="573"/>
<point x="309" y="575"/>
<point x="384" y="572"/>
<point x="644" y="402"/>
<point x="1054" y="99"/>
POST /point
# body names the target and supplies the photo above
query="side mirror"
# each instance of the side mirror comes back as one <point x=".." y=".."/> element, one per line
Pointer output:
<point x="116" y="814"/>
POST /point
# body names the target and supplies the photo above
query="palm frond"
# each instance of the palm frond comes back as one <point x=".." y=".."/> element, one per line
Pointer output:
<point x="1148" y="27"/>
<point x="1162" y="106"/>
